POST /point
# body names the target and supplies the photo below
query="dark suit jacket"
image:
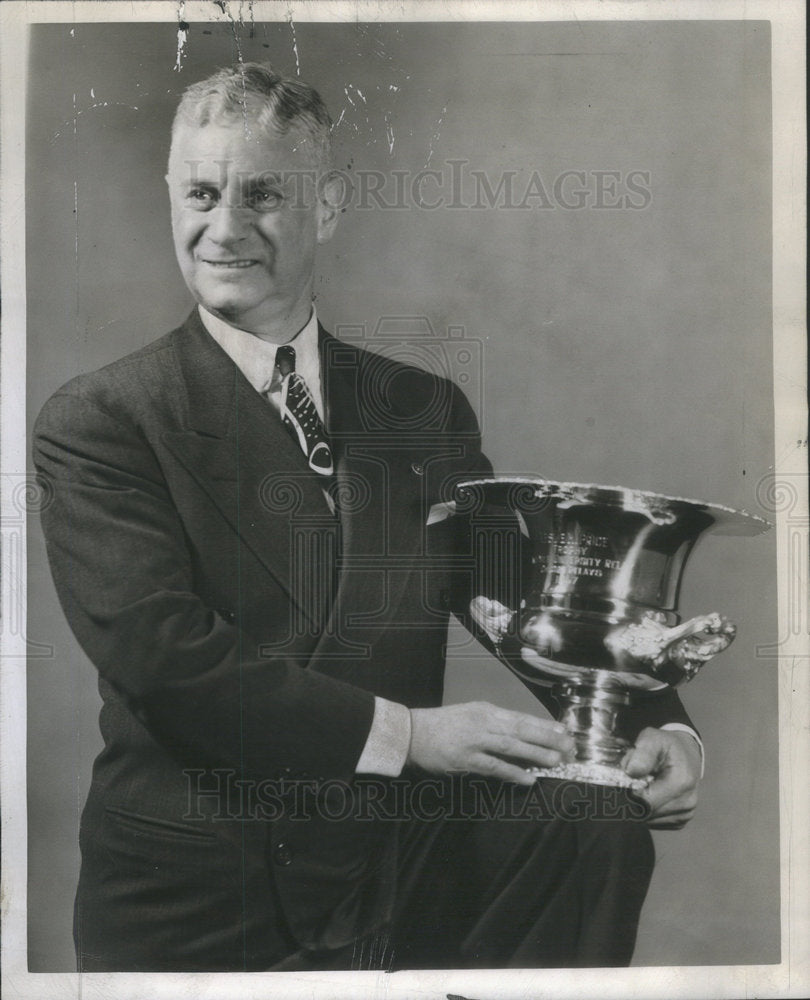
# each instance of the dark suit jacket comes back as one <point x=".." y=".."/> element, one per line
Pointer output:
<point x="196" y="561"/>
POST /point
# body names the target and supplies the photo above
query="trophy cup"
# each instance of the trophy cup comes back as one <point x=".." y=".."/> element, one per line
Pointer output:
<point x="594" y="612"/>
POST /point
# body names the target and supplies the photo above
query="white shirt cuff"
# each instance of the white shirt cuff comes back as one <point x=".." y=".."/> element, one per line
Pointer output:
<point x="389" y="740"/>
<point x="679" y="727"/>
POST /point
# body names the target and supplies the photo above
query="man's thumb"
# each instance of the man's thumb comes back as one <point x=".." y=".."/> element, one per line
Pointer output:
<point x="644" y="757"/>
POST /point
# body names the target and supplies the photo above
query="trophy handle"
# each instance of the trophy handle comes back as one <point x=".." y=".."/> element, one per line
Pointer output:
<point x="686" y="647"/>
<point x="492" y="617"/>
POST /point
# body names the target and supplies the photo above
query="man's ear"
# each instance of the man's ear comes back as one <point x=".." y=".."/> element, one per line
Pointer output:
<point x="331" y="196"/>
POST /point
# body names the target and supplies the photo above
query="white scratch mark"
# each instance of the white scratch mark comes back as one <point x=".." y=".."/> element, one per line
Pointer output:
<point x="294" y="44"/>
<point x="359" y="93"/>
<point x="436" y="133"/>
<point x="389" y="131"/>
<point x="226" y="10"/>
<point x="181" y="46"/>
<point x="182" y="37"/>
<point x="72" y="32"/>
<point x="99" y="104"/>
<point x="76" y="190"/>
<point x="393" y="87"/>
<point x="342" y="113"/>
<point x="76" y="214"/>
<point x="92" y="93"/>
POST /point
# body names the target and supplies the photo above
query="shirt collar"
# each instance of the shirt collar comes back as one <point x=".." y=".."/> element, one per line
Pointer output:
<point x="256" y="358"/>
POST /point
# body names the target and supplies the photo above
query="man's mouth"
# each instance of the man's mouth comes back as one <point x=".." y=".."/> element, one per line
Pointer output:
<point x="231" y="264"/>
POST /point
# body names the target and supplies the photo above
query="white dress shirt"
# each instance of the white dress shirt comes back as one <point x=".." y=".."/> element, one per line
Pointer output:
<point x="256" y="358"/>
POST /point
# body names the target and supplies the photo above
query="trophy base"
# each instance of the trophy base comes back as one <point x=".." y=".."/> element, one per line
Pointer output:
<point x="592" y="773"/>
<point x="592" y="709"/>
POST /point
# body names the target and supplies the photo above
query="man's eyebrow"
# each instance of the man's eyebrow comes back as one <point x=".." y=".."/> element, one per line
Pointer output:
<point x="199" y="182"/>
<point x="263" y="178"/>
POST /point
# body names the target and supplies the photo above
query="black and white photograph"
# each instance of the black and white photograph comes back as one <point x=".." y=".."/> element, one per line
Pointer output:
<point x="404" y="487"/>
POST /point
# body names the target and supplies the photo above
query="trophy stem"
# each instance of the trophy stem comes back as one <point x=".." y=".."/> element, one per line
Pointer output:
<point x="590" y="713"/>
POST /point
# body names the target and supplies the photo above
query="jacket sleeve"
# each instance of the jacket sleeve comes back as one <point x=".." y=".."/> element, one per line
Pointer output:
<point x="123" y="573"/>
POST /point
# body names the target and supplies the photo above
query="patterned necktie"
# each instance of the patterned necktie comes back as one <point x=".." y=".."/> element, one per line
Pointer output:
<point x="299" y="415"/>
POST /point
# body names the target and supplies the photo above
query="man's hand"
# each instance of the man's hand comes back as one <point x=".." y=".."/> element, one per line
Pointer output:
<point x="480" y="738"/>
<point x="673" y="758"/>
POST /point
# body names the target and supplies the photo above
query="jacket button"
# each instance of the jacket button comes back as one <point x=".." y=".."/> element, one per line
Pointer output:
<point x="283" y="854"/>
<point x="417" y="469"/>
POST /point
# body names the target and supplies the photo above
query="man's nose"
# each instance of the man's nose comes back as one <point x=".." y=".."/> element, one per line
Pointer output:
<point x="228" y="223"/>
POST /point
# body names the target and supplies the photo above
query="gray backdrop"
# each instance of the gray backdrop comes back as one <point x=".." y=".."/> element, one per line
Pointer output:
<point x="620" y="344"/>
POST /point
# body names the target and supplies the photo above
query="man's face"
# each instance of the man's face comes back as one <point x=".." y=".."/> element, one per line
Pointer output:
<point x="246" y="222"/>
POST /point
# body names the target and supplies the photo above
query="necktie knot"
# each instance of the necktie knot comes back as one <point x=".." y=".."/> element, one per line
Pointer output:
<point x="285" y="359"/>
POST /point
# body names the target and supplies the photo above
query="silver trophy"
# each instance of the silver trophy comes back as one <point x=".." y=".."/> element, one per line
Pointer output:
<point x="594" y="609"/>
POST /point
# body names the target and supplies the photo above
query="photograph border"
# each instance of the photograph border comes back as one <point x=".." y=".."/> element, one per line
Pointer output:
<point x="788" y="490"/>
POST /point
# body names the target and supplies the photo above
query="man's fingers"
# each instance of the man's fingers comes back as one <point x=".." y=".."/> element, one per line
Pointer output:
<point x="530" y="729"/>
<point x="671" y="819"/>
<point x="671" y="796"/>
<point x="484" y="739"/>
<point x="666" y="800"/>
<point x="646" y="757"/>
<point x="542" y="732"/>
<point x="533" y="754"/>
<point x="507" y="742"/>
<point x="670" y="823"/>
<point x="494" y="767"/>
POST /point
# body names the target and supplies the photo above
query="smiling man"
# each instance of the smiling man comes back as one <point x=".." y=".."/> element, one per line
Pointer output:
<point x="241" y="539"/>
<point x="244" y="234"/>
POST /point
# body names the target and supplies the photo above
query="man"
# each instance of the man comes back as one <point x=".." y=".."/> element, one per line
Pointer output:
<point x="243" y="542"/>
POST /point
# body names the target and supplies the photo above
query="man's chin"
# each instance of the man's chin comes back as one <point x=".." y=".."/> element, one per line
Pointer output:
<point x="224" y="303"/>
<point x="231" y="313"/>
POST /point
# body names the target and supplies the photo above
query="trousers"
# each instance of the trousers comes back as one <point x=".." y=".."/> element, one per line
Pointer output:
<point x="562" y="889"/>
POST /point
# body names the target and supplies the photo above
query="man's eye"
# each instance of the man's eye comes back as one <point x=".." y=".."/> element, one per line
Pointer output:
<point x="199" y="198"/>
<point x="265" y="200"/>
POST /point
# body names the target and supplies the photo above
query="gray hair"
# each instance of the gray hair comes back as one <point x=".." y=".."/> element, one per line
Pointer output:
<point x="275" y="103"/>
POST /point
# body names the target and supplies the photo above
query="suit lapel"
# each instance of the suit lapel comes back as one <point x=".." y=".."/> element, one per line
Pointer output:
<point x="236" y="448"/>
<point x="234" y="445"/>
